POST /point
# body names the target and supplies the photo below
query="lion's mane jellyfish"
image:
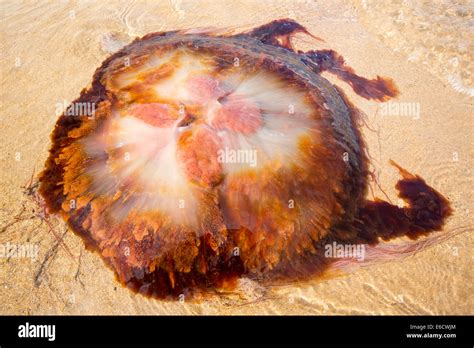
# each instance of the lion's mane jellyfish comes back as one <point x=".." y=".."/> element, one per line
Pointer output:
<point x="210" y="157"/>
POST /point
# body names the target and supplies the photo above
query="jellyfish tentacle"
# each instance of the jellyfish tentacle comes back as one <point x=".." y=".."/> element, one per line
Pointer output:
<point x="426" y="211"/>
<point x="279" y="32"/>
<point x="379" y="88"/>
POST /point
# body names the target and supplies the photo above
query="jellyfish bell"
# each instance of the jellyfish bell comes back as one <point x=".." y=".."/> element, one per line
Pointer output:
<point x="214" y="156"/>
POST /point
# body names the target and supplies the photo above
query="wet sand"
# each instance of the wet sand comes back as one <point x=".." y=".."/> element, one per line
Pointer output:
<point x="49" y="53"/>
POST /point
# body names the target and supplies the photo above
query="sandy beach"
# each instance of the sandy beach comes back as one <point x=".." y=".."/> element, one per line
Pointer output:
<point x="50" y="50"/>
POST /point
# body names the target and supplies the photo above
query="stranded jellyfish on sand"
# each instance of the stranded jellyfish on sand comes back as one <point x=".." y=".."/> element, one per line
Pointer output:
<point x="211" y="157"/>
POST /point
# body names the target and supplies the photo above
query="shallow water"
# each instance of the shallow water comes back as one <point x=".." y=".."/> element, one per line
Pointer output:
<point x="51" y="49"/>
<point x="437" y="34"/>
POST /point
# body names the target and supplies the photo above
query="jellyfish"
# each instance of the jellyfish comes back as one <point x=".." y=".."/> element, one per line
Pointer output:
<point x="199" y="157"/>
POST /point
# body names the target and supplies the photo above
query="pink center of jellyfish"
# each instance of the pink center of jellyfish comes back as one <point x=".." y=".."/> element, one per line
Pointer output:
<point x="239" y="115"/>
<point x="198" y="146"/>
<point x="236" y="112"/>
<point x="203" y="89"/>
<point x="198" y="154"/>
<point x="155" y="114"/>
